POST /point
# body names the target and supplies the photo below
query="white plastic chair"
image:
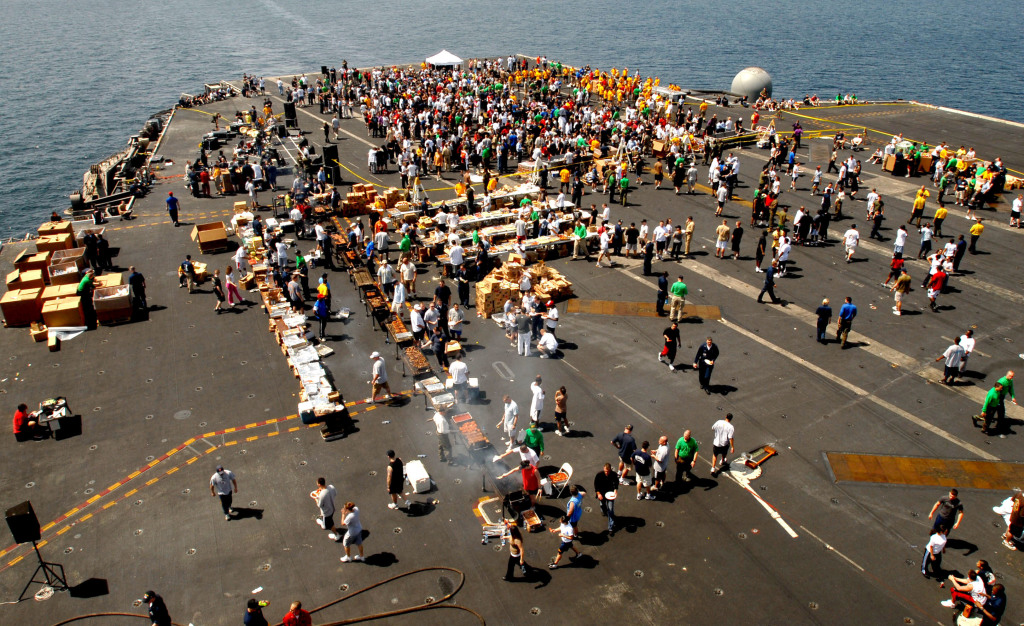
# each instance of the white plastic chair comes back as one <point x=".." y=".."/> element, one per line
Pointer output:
<point x="559" y="486"/>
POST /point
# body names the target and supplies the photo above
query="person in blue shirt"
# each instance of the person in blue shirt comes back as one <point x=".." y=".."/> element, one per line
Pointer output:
<point x="172" y="207"/>
<point x="846" y="314"/>
<point x="769" y="285"/>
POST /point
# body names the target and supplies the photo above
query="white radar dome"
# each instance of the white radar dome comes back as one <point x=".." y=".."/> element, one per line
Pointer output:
<point x="751" y="81"/>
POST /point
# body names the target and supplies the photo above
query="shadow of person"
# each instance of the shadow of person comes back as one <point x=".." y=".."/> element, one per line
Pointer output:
<point x="246" y="513"/>
<point x="381" y="559"/>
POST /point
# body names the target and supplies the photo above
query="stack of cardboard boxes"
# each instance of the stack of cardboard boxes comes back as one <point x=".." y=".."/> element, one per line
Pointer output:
<point x="503" y="283"/>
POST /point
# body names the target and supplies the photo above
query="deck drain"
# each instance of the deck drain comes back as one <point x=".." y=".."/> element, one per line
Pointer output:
<point x="915" y="514"/>
<point x="238" y="332"/>
<point x="199" y="388"/>
<point x="343" y="587"/>
<point x="253" y="503"/>
<point x="457" y="481"/>
<point x="639" y="573"/>
<point x="302" y="462"/>
<point x="909" y="562"/>
<point x="191" y="325"/>
<point x="150" y="458"/>
<point x="372" y="472"/>
<point x="55" y="365"/>
<point x="397" y="530"/>
<point x="659" y="524"/>
<point x="243" y="362"/>
<point x="812" y="606"/>
<point x="149" y="381"/>
<point x="243" y="451"/>
<point x="535" y="611"/>
<point x="834" y="500"/>
<point x="13" y="358"/>
<point x="251" y="396"/>
<point x="101" y="372"/>
<point x="190" y="551"/>
<point x="297" y="440"/>
<point x="68" y="550"/>
<point x="498" y="548"/>
<point x="137" y="603"/>
<point x="742" y="535"/>
<point x="588" y="509"/>
<point x="718" y="591"/>
<point x="429" y="600"/>
<point x="96" y="409"/>
<point x="186" y="491"/>
<point x="137" y="503"/>
<point x="195" y="354"/>
<point x="908" y="620"/>
<point x="29" y="485"/>
<point x="183" y="415"/>
<point x="202" y="424"/>
<point x="547" y="457"/>
<point x="754" y="530"/>
<point x="265" y="567"/>
<point x="89" y="491"/>
<point x="93" y="447"/>
<point x="150" y="416"/>
<point x="138" y="532"/>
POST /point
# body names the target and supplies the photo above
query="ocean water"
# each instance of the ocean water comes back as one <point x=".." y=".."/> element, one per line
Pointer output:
<point x="80" y="76"/>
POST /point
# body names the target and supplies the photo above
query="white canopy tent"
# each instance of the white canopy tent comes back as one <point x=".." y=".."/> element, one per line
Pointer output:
<point x="444" y="58"/>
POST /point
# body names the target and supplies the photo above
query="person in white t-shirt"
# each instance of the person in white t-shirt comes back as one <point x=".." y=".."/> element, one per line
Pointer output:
<point x="659" y="460"/>
<point x="933" y="552"/>
<point x="551" y="317"/>
<point x="537" y="402"/>
<point x="851" y="238"/>
<point x="547" y="345"/>
<point x="459" y="372"/>
<point x="722" y="444"/>
<point x="967" y="343"/>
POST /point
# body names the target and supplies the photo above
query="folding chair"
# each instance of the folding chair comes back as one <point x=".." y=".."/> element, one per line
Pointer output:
<point x="560" y="479"/>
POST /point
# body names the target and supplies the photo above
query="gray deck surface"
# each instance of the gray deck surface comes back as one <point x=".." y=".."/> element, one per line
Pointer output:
<point x="149" y="387"/>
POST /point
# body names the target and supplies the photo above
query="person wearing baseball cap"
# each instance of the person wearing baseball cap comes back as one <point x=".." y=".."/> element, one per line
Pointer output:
<point x="380" y="378"/>
<point x="158" y="614"/>
<point x="254" y="613"/>
<point x="551" y="317"/>
<point x="223" y="484"/>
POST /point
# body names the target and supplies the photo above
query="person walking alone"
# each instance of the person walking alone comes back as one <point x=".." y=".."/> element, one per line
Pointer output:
<point x="722" y="444"/>
<point x="704" y="363"/>
<point x="222" y="485"/>
<point x="668" y="351"/>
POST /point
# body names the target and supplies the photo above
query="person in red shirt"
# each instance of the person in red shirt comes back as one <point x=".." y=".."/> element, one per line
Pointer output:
<point x="297" y="616"/>
<point x="935" y="285"/>
<point x="24" y="427"/>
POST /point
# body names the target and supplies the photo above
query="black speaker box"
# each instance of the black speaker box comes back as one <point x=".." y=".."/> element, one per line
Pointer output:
<point x="333" y="175"/>
<point x="23" y="523"/>
<point x="330" y="152"/>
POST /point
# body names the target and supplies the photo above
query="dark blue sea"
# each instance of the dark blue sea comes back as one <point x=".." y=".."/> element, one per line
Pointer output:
<point x="80" y="76"/>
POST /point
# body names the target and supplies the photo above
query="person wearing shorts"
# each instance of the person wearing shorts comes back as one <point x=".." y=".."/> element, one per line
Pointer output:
<point x="642" y="465"/>
<point x="353" y="532"/>
<point x="561" y="420"/>
<point x="721" y="239"/>
<point x="565" y="536"/>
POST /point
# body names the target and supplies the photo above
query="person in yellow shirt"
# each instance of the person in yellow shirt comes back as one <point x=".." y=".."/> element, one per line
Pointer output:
<point x="563" y="175"/>
<point x="721" y="238"/>
<point x="940" y="215"/>
<point x="918" y="210"/>
<point x="976" y="231"/>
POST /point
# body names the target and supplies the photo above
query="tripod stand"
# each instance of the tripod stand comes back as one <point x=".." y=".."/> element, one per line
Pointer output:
<point x="51" y="579"/>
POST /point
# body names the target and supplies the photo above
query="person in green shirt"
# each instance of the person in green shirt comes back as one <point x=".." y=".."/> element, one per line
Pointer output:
<point x="405" y="245"/>
<point x="1007" y="390"/>
<point x="623" y="189"/>
<point x="686" y="456"/>
<point x="580" y="246"/>
<point x="533" y="438"/>
<point x="677" y="298"/>
<point x="990" y="409"/>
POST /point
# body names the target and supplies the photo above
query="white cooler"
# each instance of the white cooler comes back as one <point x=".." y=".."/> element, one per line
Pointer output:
<point x="417" y="476"/>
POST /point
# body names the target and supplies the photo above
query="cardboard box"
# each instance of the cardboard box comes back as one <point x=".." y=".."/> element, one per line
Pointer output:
<point x="55" y="228"/>
<point x="58" y="291"/>
<point x="241" y="207"/>
<point x="60" y="241"/>
<point x="53" y="343"/>
<point x="27" y="260"/>
<point x="39" y="332"/>
<point x="65" y="274"/>
<point x="108" y="280"/>
<point x="63" y="312"/>
<point x="74" y="255"/>
<point x="30" y="279"/>
<point x="13" y="278"/>
<point x="21" y="307"/>
<point x="112" y="304"/>
<point x="210" y="236"/>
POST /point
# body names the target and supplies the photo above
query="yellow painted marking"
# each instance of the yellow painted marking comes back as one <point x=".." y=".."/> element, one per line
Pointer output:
<point x="192" y="460"/>
<point x="44" y="541"/>
<point x="189" y="442"/>
<point x="171" y="453"/>
<point x="93" y="499"/>
<point x="133" y="475"/>
<point x="208" y="435"/>
<point x="252" y="438"/>
<point x="154" y="462"/>
<point x="172" y="470"/>
<point x="131" y="493"/>
<point x="85" y="517"/>
<point x="151" y="481"/>
<point x="114" y="487"/>
<point x="293" y="429"/>
<point x="109" y="504"/>
<point x="72" y="512"/>
<point x="210" y="450"/>
<point x="273" y="434"/>
<point x="229" y="430"/>
<point x="248" y="426"/>
<point x="230" y="443"/>
<point x="15" y="561"/>
<point x="273" y="421"/>
<point x="48" y="527"/>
